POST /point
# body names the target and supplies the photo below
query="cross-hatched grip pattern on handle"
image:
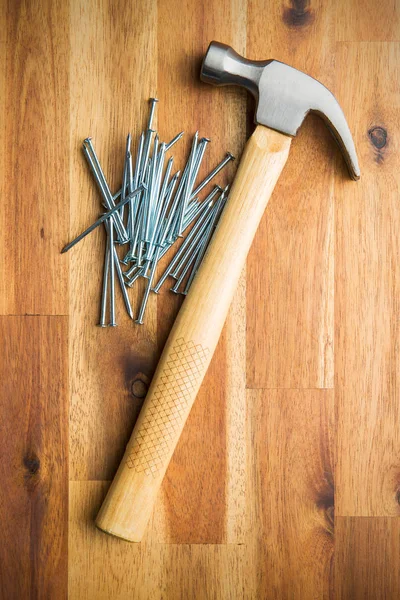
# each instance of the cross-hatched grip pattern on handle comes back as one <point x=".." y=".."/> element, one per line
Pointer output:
<point x="168" y="407"/>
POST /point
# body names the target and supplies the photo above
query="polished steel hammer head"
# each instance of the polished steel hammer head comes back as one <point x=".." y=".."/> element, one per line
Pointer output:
<point x="284" y="96"/>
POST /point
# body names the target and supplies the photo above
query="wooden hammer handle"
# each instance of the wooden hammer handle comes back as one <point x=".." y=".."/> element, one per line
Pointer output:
<point x="192" y="341"/>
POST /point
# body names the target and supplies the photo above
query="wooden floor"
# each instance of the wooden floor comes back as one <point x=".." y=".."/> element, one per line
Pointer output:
<point x="286" y="481"/>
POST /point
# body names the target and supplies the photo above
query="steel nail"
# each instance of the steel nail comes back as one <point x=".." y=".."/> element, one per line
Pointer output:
<point x="202" y="147"/>
<point x="103" y="306"/>
<point x="138" y="274"/>
<point x="187" y="189"/>
<point x="201" y="206"/>
<point x="172" y="214"/>
<point x="122" y="285"/>
<point x="139" y="220"/>
<point x="153" y="102"/>
<point x="120" y="276"/>
<point x="175" y="204"/>
<point x="188" y="251"/>
<point x="112" y="275"/>
<point x="145" y="154"/>
<point x="176" y="286"/>
<point x="135" y="205"/>
<point x="206" y="240"/>
<point x="138" y="160"/>
<point x="198" y="258"/>
<point x="207" y="209"/>
<point x="125" y="173"/>
<point x="152" y="186"/>
<point x="213" y="173"/>
<point x="139" y="320"/>
<point x="100" y="220"/>
<point x="96" y="169"/>
<point x="161" y="206"/>
<point x="173" y="141"/>
<point x="128" y="274"/>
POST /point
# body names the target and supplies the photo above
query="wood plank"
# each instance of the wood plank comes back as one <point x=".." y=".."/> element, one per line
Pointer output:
<point x="367" y="21"/>
<point x="367" y="563"/>
<point x="35" y="170"/>
<point x="96" y="372"/>
<point x="202" y="498"/>
<point x="367" y="275"/>
<point x="290" y="267"/>
<point x="113" y="73"/>
<point x="291" y="494"/>
<point x="104" y="567"/>
<point x="34" y="457"/>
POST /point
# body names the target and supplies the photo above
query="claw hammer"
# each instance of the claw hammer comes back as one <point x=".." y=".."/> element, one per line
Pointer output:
<point x="284" y="96"/>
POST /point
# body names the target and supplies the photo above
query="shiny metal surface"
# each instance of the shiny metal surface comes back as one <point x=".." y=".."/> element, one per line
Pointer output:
<point x="284" y="96"/>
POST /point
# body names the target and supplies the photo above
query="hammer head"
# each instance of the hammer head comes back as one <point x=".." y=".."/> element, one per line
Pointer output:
<point x="284" y="96"/>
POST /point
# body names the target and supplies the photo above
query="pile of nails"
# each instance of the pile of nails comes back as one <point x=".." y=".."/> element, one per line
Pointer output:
<point x="160" y="209"/>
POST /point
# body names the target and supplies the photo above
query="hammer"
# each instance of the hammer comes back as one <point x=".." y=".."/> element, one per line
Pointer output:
<point x="284" y="96"/>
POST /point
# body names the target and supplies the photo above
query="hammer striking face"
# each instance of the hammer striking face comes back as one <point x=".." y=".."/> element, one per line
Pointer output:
<point x="284" y="96"/>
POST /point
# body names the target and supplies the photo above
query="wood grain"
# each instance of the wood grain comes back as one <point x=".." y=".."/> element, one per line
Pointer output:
<point x="367" y="21"/>
<point x="367" y="558"/>
<point x="34" y="457"/>
<point x="103" y="566"/>
<point x="291" y="495"/>
<point x="290" y="267"/>
<point x="367" y="274"/>
<point x="35" y="173"/>
<point x="320" y="292"/>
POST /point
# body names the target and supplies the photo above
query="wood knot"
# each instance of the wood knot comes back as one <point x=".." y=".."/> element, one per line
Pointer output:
<point x="298" y="15"/>
<point x="397" y="496"/>
<point x="378" y="137"/>
<point x="42" y="232"/>
<point x="326" y="503"/>
<point x="32" y="464"/>
<point x="140" y="385"/>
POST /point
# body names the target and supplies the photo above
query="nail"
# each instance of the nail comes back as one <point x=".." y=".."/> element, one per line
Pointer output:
<point x="138" y="160"/>
<point x="125" y="173"/>
<point x="153" y="102"/>
<point x="169" y="220"/>
<point x="188" y="251"/>
<point x="112" y="274"/>
<point x="189" y="220"/>
<point x="102" y="322"/>
<point x="206" y="240"/>
<point x="146" y="153"/>
<point x="168" y="194"/>
<point x="213" y="173"/>
<point x="156" y="201"/>
<point x="199" y="158"/>
<point x="190" y="211"/>
<point x="99" y="221"/>
<point x="139" y="222"/>
<point x="182" y="276"/>
<point x="139" y="320"/>
<point x="173" y="214"/>
<point x="207" y="209"/>
<point x="96" y="169"/>
<point x="152" y="186"/>
<point x="139" y="273"/>
<point x="161" y="206"/>
<point x="173" y="141"/>
<point x="120" y="276"/>
<point x="188" y="189"/>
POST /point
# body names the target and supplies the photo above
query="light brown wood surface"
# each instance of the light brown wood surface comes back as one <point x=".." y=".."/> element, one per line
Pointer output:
<point x="286" y="490"/>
